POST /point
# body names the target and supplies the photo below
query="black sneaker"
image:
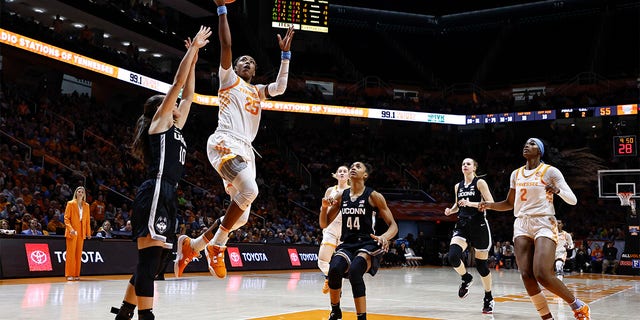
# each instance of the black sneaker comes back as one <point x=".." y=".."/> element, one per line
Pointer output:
<point x="467" y="281"/>
<point x="488" y="306"/>
<point x="335" y="315"/>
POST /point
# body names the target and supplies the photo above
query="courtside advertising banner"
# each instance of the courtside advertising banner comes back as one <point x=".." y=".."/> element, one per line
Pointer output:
<point x="35" y="256"/>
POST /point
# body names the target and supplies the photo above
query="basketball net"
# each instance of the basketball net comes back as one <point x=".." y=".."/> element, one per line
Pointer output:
<point x="625" y="200"/>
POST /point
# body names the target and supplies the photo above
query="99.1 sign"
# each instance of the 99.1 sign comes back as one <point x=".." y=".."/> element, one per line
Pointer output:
<point x="625" y="145"/>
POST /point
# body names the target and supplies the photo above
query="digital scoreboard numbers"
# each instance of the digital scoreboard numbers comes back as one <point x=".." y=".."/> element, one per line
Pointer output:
<point x="305" y="15"/>
<point x="625" y="146"/>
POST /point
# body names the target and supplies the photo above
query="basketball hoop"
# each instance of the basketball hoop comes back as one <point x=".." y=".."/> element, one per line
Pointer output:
<point x="625" y="200"/>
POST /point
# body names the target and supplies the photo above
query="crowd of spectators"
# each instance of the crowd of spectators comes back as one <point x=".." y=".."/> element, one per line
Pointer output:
<point x="58" y="148"/>
<point x="58" y="145"/>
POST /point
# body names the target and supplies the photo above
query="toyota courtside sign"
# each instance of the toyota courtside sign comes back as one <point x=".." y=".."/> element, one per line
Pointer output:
<point x="234" y="257"/>
<point x="293" y="257"/>
<point x="38" y="256"/>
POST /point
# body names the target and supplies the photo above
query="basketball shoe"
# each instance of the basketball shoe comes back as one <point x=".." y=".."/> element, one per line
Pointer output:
<point x="582" y="313"/>
<point x="215" y="260"/>
<point x="488" y="306"/>
<point x="467" y="281"/>
<point x="184" y="255"/>
<point x="336" y="314"/>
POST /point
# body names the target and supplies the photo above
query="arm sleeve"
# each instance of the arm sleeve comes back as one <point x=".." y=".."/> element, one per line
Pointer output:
<point x="570" y="244"/>
<point x="278" y="87"/>
<point x="565" y="192"/>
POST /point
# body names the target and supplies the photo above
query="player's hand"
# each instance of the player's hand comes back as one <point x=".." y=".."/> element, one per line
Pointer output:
<point x="551" y="188"/>
<point x="220" y="2"/>
<point x="328" y="201"/>
<point x="463" y="202"/>
<point x="285" y="43"/>
<point x="201" y="38"/>
<point x="447" y="211"/>
<point x="483" y="205"/>
<point x="382" y="242"/>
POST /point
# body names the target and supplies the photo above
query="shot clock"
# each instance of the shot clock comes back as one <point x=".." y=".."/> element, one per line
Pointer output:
<point x="625" y="145"/>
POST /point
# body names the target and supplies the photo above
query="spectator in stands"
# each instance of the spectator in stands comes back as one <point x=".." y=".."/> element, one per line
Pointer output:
<point x="496" y="254"/>
<point x="4" y="227"/>
<point x="55" y="223"/>
<point x="583" y="258"/>
<point x="564" y="244"/>
<point x="229" y="148"/>
<point x="401" y="251"/>
<point x="33" y="228"/>
<point x="360" y="250"/>
<point x="76" y="220"/>
<point x="25" y="221"/>
<point x="159" y="143"/>
<point x="610" y="258"/>
<point x="4" y="204"/>
<point x="597" y="255"/>
<point x="331" y="234"/>
<point x="530" y="196"/>
<point x="105" y="231"/>
<point x="472" y="228"/>
<point x="127" y="229"/>
<point x="98" y="209"/>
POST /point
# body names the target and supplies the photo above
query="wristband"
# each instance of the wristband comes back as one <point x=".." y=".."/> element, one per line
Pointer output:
<point x="222" y="10"/>
<point x="286" y="55"/>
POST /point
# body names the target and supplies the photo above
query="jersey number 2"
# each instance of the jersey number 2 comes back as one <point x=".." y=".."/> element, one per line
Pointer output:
<point x="523" y="195"/>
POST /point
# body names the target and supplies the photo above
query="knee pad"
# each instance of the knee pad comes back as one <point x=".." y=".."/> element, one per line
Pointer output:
<point x="356" y="276"/>
<point x="247" y="188"/>
<point x="230" y="168"/>
<point x="559" y="265"/>
<point x="483" y="268"/>
<point x="337" y="267"/>
<point x="455" y="255"/>
<point x="324" y="266"/>
<point x="148" y="264"/>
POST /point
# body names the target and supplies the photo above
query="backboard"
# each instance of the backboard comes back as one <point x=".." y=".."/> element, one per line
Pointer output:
<point x="611" y="182"/>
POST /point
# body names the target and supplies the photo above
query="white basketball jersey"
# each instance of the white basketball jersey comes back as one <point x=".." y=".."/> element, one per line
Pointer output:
<point x="336" y="225"/>
<point x="565" y="242"/>
<point x="531" y="198"/>
<point x="240" y="108"/>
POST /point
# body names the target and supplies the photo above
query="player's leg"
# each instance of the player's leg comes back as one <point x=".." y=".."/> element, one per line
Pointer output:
<point x="330" y="240"/>
<point x="482" y="266"/>
<point x="359" y="266"/>
<point x="524" y="250"/>
<point x="337" y="269"/>
<point x="542" y="261"/>
<point x="456" y="248"/>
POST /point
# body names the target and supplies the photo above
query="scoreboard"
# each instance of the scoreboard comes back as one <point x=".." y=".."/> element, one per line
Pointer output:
<point x="305" y="15"/>
<point x="562" y="113"/>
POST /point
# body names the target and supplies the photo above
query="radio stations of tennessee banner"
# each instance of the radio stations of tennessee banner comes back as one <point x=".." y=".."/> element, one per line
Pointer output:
<point x="56" y="53"/>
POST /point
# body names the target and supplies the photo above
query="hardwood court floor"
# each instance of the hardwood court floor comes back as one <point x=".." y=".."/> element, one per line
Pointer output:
<point x="394" y="294"/>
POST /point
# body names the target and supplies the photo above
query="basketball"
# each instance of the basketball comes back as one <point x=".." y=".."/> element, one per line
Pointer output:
<point x="229" y="1"/>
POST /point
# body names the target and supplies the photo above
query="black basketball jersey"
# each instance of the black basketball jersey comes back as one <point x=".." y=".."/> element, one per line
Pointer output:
<point x="357" y="216"/>
<point x="168" y="154"/>
<point x="470" y="193"/>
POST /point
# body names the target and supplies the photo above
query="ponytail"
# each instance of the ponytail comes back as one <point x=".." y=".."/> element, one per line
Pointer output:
<point x="140" y="147"/>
